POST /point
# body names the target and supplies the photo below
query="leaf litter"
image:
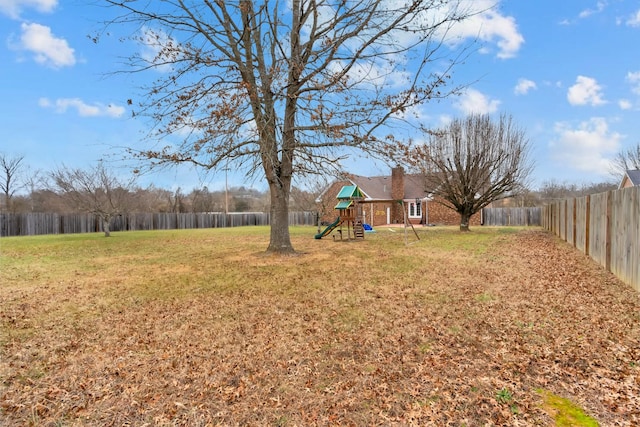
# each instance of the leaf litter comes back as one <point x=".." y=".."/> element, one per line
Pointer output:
<point x="358" y="338"/>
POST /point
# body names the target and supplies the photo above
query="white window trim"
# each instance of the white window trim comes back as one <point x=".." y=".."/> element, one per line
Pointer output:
<point x="410" y="203"/>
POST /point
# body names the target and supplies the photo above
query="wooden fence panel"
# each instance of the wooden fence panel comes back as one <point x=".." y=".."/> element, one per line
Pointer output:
<point x="581" y="224"/>
<point x="607" y="228"/>
<point x="551" y="218"/>
<point x="562" y="230"/>
<point x="598" y="228"/>
<point x="29" y="224"/>
<point x="140" y="221"/>
<point x="530" y="216"/>
<point x="625" y="235"/>
<point x="535" y="216"/>
<point x="556" y="219"/>
<point x="570" y="220"/>
<point x="303" y="218"/>
<point x="35" y="223"/>
<point x="204" y="220"/>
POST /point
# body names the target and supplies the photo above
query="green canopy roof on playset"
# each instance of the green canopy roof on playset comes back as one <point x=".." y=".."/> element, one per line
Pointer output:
<point x="349" y="192"/>
<point x="344" y="204"/>
<point x="346" y="196"/>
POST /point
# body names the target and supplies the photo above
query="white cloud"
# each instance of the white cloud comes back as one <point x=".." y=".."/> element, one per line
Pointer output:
<point x="524" y="86"/>
<point x="634" y="20"/>
<point x="83" y="109"/>
<point x="587" y="148"/>
<point x="444" y="120"/>
<point x="625" y="104"/>
<point x="634" y="79"/>
<point x="475" y="102"/>
<point x="13" y="8"/>
<point x="586" y="91"/>
<point x="600" y="6"/>
<point x="46" y="48"/>
<point x="489" y="25"/>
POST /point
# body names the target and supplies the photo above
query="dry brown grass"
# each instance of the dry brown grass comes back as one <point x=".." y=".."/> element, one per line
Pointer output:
<point x="201" y="328"/>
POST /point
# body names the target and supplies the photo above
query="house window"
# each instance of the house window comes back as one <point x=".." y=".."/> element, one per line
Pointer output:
<point x="415" y="209"/>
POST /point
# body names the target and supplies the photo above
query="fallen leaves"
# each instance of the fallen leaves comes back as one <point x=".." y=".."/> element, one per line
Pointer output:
<point x="447" y="340"/>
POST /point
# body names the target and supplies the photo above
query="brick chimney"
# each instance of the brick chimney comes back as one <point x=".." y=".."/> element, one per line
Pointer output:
<point x="397" y="183"/>
<point x="397" y="193"/>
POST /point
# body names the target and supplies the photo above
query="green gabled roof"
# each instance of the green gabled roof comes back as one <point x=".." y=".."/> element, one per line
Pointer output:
<point x="344" y="204"/>
<point x="349" y="192"/>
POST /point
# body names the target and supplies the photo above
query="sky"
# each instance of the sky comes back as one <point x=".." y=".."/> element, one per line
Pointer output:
<point x="568" y="72"/>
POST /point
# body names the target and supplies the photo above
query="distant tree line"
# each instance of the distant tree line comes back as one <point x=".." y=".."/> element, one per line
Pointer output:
<point x="60" y="191"/>
<point x="553" y="190"/>
<point x="99" y="190"/>
<point x="154" y="199"/>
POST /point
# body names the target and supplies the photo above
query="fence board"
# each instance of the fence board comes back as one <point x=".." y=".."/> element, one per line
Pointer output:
<point x="598" y="228"/>
<point x="570" y="227"/>
<point x="581" y="224"/>
<point x="530" y="216"/>
<point x="607" y="228"/>
<point x="29" y="224"/>
<point x="625" y="226"/>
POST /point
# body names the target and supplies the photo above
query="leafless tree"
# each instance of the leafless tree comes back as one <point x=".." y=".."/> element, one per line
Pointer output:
<point x="552" y="190"/>
<point x="203" y="200"/>
<point x="472" y="162"/>
<point x="302" y="200"/>
<point x="95" y="190"/>
<point x="34" y="182"/>
<point x="282" y="88"/>
<point x="10" y="170"/>
<point x="176" y="201"/>
<point x="625" y="160"/>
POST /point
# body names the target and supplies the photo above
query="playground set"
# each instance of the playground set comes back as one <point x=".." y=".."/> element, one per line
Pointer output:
<point x="350" y="201"/>
<point x="350" y="212"/>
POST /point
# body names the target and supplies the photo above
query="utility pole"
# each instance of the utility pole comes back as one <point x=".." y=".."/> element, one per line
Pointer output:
<point x="226" y="190"/>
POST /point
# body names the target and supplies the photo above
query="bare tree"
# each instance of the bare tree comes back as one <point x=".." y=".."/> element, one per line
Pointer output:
<point x="176" y="201"/>
<point x="10" y="169"/>
<point x="203" y="200"/>
<point x="282" y="88"/>
<point x="303" y="200"/>
<point x="625" y="160"/>
<point x="472" y="162"/>
<point x="553" y="190"/>
<point x="95" y="190"/>
<point x="34" y="182"/>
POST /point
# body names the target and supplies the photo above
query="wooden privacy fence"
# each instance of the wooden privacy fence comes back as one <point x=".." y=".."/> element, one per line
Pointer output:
<point x="605" y="226"/>
<point x="29" y="224"/>
<point x="512" y="216"/>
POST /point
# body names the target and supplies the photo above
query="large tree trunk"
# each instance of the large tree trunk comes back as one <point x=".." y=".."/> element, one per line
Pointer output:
<point x="106" y="226"/>
<point x="464" y="221"/>
<point x="278" y="163"/>
<point x="280" y="241"/>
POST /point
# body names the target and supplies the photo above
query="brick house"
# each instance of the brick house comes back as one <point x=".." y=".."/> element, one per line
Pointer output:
<point x="631" y="179"/>
<point x="384" y="198"/>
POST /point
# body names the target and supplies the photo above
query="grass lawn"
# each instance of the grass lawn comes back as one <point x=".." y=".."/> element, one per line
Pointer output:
<point x="499" y="326"/>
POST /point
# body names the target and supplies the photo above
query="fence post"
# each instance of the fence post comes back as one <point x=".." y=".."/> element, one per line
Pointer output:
<point x="566" y="220"/>
<point x="575" y="217"/>
<point x="587" y="224"/>
<point x="609" y="232"/>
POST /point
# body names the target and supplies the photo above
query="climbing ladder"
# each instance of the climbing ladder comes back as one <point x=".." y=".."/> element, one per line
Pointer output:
<point x="358" y="230"/>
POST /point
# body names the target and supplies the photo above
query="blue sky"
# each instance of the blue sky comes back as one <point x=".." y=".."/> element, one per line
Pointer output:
<point x="567" y="71"/>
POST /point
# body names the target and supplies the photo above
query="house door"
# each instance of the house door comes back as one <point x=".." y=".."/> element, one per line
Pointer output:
<point x="388" y="215"/>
